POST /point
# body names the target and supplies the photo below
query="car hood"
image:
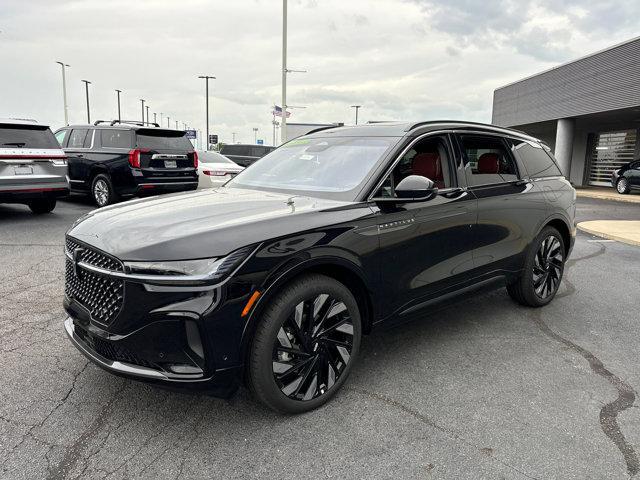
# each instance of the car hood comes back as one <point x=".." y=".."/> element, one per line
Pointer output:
<point x="207" y="223"/>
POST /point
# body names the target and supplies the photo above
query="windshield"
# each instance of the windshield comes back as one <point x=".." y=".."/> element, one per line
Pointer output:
<point x="213" y="157"/>
<point x="27" y="136"/>
<point x="163" y="139"/>
<point x="326" y="167"/>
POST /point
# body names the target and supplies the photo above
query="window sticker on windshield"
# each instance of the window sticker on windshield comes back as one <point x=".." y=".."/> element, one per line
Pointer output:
<point x="295" y="143"/>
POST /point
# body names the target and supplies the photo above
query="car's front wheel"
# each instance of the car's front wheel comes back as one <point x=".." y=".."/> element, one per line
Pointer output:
<point x="543" y="270"/>
<point x="622" y="186"/>
<point x="305" y="345"/>
<point x="102" y="191"/>
<point x="45" y="205"/>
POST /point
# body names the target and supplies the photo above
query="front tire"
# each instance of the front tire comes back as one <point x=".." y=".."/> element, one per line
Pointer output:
<point x="543" y="270"/>
<point x="42" y="206"/>
<point x="305" y="345"/>
<point x="622" y="186"/>
<point x="102" y="191"/>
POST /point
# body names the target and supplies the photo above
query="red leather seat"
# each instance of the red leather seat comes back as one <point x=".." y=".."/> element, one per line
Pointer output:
<point x="428" y="165"/>
<point x="489" y="163"/>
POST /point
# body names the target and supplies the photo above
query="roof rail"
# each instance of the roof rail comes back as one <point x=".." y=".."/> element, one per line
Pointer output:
<point x="132" y="122"/>
<point x="464" y="122"/>
<point x="326" y="127"/>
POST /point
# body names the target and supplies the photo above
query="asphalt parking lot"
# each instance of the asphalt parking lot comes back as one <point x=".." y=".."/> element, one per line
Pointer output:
<point x="481" y="389"/>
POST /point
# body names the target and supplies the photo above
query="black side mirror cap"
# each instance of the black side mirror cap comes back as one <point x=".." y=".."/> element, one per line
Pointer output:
<point x="414" y="188"/>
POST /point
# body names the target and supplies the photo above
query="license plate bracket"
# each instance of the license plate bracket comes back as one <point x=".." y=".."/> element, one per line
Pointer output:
<point x="23" y="170"/>
<point x="170" y="164"/>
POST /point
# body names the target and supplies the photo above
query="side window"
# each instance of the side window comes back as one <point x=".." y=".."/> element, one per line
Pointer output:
<point x="535" y="159"/>
<point x="87" y="139"/>
<point x="76" y="139"/>
<point x="115" y="138"/>
<point x="487" y="160"/>
<point x="428" y="158"/>
<point x="60" y="136"/>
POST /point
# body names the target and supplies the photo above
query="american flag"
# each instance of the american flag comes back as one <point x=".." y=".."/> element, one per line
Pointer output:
<point x="277" y="111"/>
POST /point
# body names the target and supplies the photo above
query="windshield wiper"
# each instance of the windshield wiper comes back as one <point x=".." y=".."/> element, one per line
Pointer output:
<point x="17" y="144"/>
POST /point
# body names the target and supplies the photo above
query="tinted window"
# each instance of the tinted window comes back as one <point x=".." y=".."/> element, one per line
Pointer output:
<point x="487" y="160"/>
<point x="163" y="139"/>
<point x="236" y="150"/>
<point x="535" y="159"/>
<point x="115" y="138"/>
<point x="26" y="136"/>
<point x="427" y="158"/>
<point x="337" y="166"/>
<point x="60" y="136"/>
<point x="76" y="139"/>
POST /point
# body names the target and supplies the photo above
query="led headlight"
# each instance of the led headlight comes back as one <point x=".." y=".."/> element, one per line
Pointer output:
<point x="205" y="268"/>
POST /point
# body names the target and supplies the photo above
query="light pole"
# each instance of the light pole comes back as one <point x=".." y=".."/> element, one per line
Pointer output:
<point x="284" y="69"/>
<point x="160" y="118"/>
<point x="168" y="126"/>
<point x="176" y="124"/>
<point x="147" y="107"/>
<point x="118" y="94"/>
<point x="64" y="93"/>
<point x="142" y="102"/>
<point x="357" y="107"/>
<point x="155" y="120"/>
<point x="206" y="94"/>
<point x="255" y="134"/>
<point x="234" y="137"/>
<point x="86" y="87"/>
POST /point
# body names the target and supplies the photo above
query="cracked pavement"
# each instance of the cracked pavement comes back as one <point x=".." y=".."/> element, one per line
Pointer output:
<point x="480" y="389"/>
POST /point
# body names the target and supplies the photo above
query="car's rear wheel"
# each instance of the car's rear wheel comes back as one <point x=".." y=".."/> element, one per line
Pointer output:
<point x="45" y="205"/>
<point x="102" y="190"/>
<point x="622" y="186"/>
<point x="543" y="270"/>
<point x="305" y="345"/>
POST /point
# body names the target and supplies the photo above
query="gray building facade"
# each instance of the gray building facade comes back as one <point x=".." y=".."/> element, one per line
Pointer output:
<point x="587" y="111"/>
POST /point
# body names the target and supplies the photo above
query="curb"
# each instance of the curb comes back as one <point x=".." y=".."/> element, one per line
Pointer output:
<point x="628" y="198"/>
<point x="607" y="235"/>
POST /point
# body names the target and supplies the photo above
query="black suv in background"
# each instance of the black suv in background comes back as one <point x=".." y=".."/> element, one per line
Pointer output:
<point x="116" y="159"/>
<point x="245" y="155"/>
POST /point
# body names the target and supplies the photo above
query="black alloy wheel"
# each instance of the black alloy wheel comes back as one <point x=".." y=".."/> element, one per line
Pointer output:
<point x="542" y="270"/>
<point x="547" y="267"/>
<point x="305" y="345"/>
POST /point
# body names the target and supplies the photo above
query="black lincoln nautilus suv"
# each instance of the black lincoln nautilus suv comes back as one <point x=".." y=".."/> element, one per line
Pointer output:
<point x="274" y="278"/>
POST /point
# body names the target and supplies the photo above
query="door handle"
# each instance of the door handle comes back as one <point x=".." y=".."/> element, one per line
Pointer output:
<point x="80" y="155"/>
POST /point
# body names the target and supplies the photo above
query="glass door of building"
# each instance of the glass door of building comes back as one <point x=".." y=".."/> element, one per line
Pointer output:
<point x="609" y="151"/>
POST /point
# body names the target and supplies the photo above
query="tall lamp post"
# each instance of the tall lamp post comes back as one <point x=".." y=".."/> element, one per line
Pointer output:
<point x="234" y="137"/>
<point x="118" y="92"/>
<point x="255" y="134"/>
<point x="147" y="107"/>
<point x="357" y="107"/>
<point x="86" y="88"/>
<point x="155" y="120"/>
<point x="283" y="130"/>
<point x="64" y="92"/>
<point x="168" y="126"/>
<point x="206" y="94"/>
<point x="142" y="102"/>
<point x="176" y="124"/>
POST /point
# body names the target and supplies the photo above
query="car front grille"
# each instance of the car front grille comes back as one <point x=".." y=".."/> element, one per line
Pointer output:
<point x="101" y="295"/>
<point x="118" y="353"/>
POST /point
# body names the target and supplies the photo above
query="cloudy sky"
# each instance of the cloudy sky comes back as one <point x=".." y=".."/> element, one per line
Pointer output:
<point x="400" y="59"/>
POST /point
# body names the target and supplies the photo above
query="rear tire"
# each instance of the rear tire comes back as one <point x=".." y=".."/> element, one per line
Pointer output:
<point x="305" y="345"/>
<point x="42" y="206"/>
<point x="543" y="270"/>
<point x="622" y="186"/>
<point x="102" y="191"/>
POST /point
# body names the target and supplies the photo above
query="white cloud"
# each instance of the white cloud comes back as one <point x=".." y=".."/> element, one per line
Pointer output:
<point x="402" y="59"/>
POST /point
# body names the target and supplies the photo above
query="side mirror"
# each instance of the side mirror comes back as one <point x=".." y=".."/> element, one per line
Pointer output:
<point x="416" y="188"/>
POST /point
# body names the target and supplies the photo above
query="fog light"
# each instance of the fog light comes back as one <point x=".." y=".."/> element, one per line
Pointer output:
<point x="183" y="369"/>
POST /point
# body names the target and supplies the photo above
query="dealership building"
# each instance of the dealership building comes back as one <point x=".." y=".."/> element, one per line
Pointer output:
<point x="587" y="111"/>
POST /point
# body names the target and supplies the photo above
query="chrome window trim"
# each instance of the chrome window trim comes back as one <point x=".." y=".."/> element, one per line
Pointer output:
<point x="387" y="172"/>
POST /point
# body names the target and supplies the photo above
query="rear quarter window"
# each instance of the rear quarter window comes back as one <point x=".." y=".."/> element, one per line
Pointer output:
<point x="115" y="138"/>
<point x="536" y="160"/>
<point x="27" y="136"/>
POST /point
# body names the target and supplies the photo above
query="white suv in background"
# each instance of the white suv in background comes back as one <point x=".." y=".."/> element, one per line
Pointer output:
<point x="33" y="167"/>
